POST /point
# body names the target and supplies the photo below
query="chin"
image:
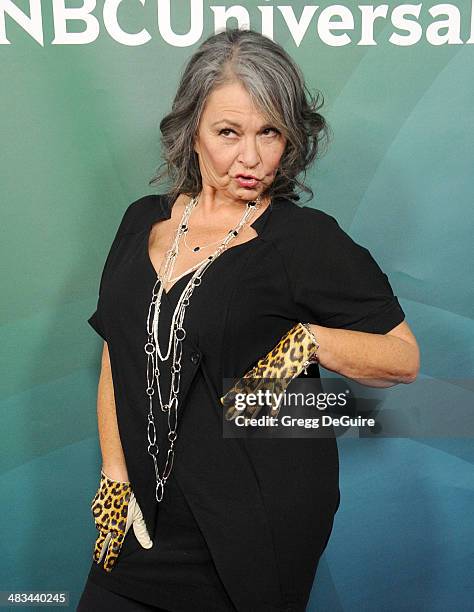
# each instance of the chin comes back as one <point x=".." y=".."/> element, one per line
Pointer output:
<point x="250" y="192"/>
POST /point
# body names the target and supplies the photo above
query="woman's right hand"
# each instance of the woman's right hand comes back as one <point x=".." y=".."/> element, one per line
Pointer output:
<point x="115" y="510"/>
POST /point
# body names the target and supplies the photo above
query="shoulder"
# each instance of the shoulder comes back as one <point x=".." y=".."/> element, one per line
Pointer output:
<point x="310" y="239"/>
<point x="304" y="226"/>
<point x="141" y="212"/>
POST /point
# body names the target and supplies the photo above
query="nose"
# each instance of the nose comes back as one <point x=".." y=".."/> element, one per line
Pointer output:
<point x="249" y="155"/>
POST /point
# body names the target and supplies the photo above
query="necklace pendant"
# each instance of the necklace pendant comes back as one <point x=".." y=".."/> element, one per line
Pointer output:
<point x="159" y="491"/>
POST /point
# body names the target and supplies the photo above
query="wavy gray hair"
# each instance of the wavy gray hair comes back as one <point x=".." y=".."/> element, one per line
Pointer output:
<point x="276" y="86"/>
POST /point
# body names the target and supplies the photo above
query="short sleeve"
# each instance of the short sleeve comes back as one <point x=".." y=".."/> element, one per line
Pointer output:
<point x="130" y="222"/>
<point x="337" y="283"/>
<point x="95" y="321"/>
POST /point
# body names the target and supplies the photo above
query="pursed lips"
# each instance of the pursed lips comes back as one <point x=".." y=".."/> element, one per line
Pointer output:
<point x="247" y="176"/>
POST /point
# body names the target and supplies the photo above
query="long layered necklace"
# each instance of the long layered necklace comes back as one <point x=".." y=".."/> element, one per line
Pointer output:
<point x="177" y="334"/>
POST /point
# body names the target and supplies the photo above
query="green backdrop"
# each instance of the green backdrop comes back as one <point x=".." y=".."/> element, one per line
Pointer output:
<point x="79" y="134"/>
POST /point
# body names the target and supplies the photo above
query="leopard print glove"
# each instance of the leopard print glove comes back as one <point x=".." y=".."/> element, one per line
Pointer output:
<point x="115" y="509"/>
<point x="290" y="356"/>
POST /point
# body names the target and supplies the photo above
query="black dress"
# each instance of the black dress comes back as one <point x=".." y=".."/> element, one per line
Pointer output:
<point x="243" y="522"/>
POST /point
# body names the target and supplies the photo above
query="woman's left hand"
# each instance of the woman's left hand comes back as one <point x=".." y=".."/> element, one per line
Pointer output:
<point x="273" y="373"/>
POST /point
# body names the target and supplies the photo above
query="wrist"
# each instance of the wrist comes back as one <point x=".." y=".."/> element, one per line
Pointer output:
<point x="313" y="331"/>
<point x="116" y="474"/>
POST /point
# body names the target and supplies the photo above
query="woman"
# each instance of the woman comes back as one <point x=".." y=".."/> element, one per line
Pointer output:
<point x="199" y="286"/>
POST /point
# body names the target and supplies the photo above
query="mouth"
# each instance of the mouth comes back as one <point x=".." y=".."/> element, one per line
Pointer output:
<point x="247" y="180"/>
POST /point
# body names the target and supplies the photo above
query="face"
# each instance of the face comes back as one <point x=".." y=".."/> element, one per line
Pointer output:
<point x="234" y="139"/>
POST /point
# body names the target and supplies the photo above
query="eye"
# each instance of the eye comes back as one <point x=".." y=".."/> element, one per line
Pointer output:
<point x="274" y="130"/>
<point x="266" y="131"/>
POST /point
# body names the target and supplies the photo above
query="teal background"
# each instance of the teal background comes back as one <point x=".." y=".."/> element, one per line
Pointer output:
<point x="79" y="133"/>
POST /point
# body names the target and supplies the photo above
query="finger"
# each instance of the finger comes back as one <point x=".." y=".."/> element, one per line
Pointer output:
<point x="274" y="410"/>
<point x="130" y="513"/>
<point x="243" y="385"/>
<point x="98" y="547"/>
<point x="247" y="410"/>
<point x="230" y="400"/>
<point x="139" y="527"/>
<point x="141" y="533"/>
<point x="252" y="411"/>
<point x="230" y="413"/>
<point x="102" y="549"/>
<point x="276" y="398"/>
<point x="113" y="552"/>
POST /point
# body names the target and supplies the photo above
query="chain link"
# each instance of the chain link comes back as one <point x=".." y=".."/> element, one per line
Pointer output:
<point x="176" y="337"/>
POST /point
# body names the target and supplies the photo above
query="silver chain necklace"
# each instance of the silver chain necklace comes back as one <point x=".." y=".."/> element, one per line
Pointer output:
<point x="197" y="248"/>
<point x="177" y="335"/>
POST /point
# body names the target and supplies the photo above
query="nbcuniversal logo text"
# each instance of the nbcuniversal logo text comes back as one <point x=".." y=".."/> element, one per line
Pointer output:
<point x="334" y="25"/>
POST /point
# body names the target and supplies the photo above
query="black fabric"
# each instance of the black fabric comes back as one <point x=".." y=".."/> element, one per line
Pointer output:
<point x="252" y="516"/>
<point x="337" y="282"/>
<point x="94" y="598"/>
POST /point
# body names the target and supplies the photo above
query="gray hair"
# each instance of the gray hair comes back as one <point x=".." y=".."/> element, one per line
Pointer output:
<point x="276" y="86"/>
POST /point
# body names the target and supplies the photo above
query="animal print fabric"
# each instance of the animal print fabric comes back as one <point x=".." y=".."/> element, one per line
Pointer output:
<point x="109" y="508"/>
<point x="290" y="356"/>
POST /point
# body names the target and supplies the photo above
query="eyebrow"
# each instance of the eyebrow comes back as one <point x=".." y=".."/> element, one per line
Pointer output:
<point x="226" y="121"/>
<point x="237" y="125"/>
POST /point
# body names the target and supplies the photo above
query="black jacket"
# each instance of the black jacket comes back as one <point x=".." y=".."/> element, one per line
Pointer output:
<point x="265" y="506"/>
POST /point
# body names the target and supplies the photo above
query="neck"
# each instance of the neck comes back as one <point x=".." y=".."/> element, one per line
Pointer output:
<point x="213" y="202"/>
